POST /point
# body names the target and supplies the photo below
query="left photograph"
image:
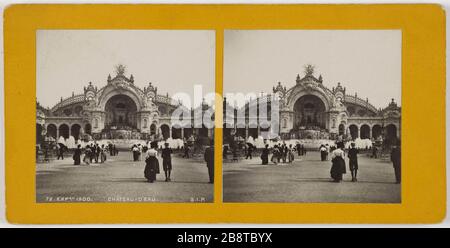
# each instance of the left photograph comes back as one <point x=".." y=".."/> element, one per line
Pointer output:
<point x="125" y="115"/>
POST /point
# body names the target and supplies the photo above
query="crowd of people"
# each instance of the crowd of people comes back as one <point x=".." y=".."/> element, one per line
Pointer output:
<point x="337" y="153"/>
<point x="93" y="153"/>
<point x="152" y="167"/>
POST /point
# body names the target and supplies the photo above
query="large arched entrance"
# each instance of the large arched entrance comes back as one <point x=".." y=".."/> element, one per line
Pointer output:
<point x="309" y="112"/>
<point x="120" y="113"/>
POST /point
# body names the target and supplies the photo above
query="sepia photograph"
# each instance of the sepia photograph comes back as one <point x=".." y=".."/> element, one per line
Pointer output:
<point x="312" y="116"/>
<point x="120" y="116"/>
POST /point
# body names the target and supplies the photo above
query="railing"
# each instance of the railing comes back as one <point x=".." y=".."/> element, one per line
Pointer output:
<point x="165" y="99"/>
<point x="68" y="101"/>
<point x="361" y="102"/>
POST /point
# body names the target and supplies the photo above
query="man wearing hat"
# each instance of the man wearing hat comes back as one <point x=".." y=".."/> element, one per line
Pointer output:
<point x="353" y="161"/>
<point x="396" y="161"/>
<point x="167" y="161"/>
<point x="209" y="159"/>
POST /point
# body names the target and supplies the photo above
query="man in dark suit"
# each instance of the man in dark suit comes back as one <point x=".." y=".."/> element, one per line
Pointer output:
<point x="167" y="161"/>
<point x="396" y="161"/>
<point x="209" y="159"/>
<point x="353" y="161"/>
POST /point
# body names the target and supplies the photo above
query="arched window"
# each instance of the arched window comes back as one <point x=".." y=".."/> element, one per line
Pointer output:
<point x="145" y="123"/>
<point x="152" y="129"/>
<point x="95" y="123"/>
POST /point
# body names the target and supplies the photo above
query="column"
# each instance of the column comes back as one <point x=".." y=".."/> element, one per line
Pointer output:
<point x="182" y="133"/>
<point x="370" y="132"/>
<point x="358" y="131"/>
<point x="246" y="132"/>
<point x="259" y="130"/>
<point x="57" y="132"/>
<point x="170" y="132"/>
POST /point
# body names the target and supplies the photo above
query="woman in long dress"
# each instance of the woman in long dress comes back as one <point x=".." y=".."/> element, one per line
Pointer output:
<point x="102" y="154"/>
<point x="338" y="163"/>
<point x="135" y="150"/>
<point x="151" y="163"/>
<point x="87" y="155"/>
<point x="290" y="154"/>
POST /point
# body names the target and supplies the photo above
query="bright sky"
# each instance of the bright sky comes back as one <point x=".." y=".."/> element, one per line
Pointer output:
<point x="172" y="60"/>
<point x="366" y="62"/>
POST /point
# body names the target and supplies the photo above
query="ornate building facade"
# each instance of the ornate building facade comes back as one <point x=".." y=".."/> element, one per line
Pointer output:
<point x="118" y="110"/>
<point x="310" y="110"/>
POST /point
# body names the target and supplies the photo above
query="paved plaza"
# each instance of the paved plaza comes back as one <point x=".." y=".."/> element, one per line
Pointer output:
<point x="307" y="179"/>
<point x="120" y="179"/>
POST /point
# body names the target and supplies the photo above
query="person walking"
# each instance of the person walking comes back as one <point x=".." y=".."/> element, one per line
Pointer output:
<point x="110" y="148"/>
<point x="298" y="148"/>
<point x="166" y="155"/>
<point x="151" y="163"/>
<point x="275" y="155"/>
<point x="186" y="150"/>
<point x="116" y="152"/>
<point x="249" y="151"/>
<point x="97" y="152"/>
<point x="290" y="154"/>
<point x="265" y="155"/>
<point x="135" y="151"/>
<point x="353" y="162"/>
<point x="323" y="152"/>
<point x="77" y="155"/>
<point x="87" y="155"/>
<point x="396" y="157"/>
<point x="102" y="154"/>
<point x="60" y="152"/>
<point x="209" y="159"/>
<point x="338" y="163"/>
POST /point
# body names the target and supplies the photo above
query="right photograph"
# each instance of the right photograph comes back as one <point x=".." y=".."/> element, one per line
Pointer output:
<point x="312" y="116"/>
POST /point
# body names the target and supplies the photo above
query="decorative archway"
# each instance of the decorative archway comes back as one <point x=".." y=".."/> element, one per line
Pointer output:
<point x="309" y="111"/>
<point x="51" y="130"/>
<point x="365" y="132"/>
<point x="120" y="111"/>
<point x="353" y="131"/>
<point x="64" y="131"/>
<point x="75" y="131"/>
<point x="111" y="91"/>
